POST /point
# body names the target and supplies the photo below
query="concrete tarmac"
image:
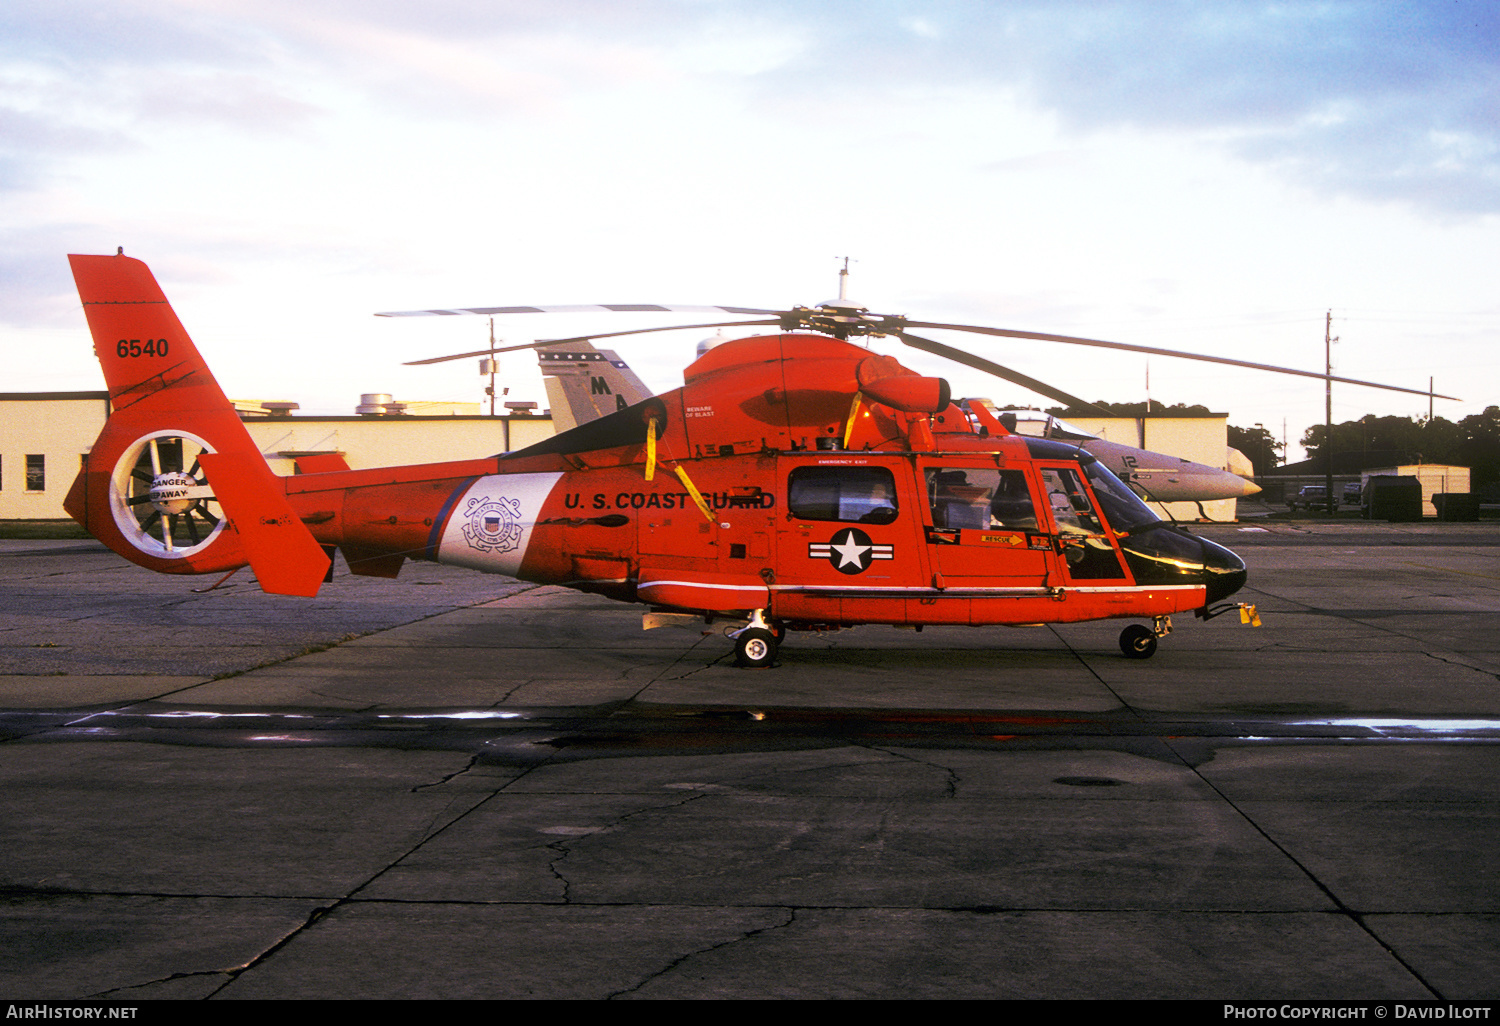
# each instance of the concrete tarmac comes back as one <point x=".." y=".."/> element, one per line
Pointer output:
<point x="453" y="785"/>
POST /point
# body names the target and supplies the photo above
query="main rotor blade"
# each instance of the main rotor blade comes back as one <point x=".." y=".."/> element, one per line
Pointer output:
<point x="989" y="367"/>
<point x="1071" y="340"/>
<point x="504" y="311"/>
<point x="645" y="331"/>
<point x="477" y="352"/>
<point x="544" y="343"/>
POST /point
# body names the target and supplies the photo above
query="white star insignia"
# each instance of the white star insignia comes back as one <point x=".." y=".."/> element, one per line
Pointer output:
<point x="850" y="551"/>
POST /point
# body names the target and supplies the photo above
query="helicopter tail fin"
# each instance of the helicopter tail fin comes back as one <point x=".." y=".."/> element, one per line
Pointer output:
<point x="174" y="482"/>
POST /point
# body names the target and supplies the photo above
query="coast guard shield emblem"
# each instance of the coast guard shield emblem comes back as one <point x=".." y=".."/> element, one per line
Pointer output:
<point x="494" y="524"/>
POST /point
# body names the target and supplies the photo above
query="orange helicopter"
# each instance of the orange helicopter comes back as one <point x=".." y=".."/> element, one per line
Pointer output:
<point x="794" y="482"/>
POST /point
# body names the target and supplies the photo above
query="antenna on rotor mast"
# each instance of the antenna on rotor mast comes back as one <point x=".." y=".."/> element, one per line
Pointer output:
<point x="843" y="299"/>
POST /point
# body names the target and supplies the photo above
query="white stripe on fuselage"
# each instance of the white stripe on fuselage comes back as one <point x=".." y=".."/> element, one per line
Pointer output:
<point x="491" y="524"/>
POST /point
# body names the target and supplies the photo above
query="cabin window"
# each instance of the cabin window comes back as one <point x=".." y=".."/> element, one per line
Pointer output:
<point x="979" y="499"/>
<point x="851" y="495"/>
<point x="1084" y="546"/>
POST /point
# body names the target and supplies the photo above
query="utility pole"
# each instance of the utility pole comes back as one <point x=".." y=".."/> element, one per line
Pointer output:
<point x="1328" y="341"/>
<point x="490" y="365"/>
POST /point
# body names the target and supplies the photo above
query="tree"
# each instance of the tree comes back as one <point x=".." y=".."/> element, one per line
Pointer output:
<point x="1258" y="445"/>
<point x="1375" y="441"/>
<point x="1480" y="449"/>
<point x="1382" y="439"/>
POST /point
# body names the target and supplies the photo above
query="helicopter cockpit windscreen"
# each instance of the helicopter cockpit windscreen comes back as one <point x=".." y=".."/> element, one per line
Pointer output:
<point x="1036" y="424"/>
<point x="1122" y="507"/>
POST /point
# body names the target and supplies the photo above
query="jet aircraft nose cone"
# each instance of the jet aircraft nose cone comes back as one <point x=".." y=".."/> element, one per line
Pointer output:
<point x="1224" y="573"/>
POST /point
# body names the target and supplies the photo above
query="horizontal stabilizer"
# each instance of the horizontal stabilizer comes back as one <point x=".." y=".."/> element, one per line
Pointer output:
<point x="282" y="552"/>
<point x="321" y="462"/>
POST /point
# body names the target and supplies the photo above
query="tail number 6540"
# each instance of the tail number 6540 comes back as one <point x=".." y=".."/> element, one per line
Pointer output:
<point x="135" y="347"/>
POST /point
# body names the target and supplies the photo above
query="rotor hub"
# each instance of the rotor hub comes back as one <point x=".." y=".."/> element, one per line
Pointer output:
<point x="841" y="319"/>
<point x="173" y="492"/>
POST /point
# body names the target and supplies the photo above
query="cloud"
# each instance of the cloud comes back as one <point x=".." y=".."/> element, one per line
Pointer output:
<point x="83" y="34"/>
<point x="1363" y="98"/>
<point x="26" y="135"/>
<point x="1376" y="100"/>
<point x="261" y="65"/>
<point x="79" y="78"/>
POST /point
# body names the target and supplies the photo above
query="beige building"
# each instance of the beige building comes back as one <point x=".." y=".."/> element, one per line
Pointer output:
<point x="1202" y="438"/>
<point x="1435" y="478"/>
<point x="44" y="435"/>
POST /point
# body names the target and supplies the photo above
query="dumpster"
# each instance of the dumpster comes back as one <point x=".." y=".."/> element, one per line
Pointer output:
<point x="1394" y="498"/>
<point x="1456" y="505"/>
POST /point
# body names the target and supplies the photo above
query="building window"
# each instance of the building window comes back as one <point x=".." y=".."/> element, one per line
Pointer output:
<point x="36" y="473"/>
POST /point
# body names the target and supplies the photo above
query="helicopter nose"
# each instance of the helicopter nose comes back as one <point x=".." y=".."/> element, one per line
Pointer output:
<point x="1167" y="555"/>
<point x="1224" y="573"/>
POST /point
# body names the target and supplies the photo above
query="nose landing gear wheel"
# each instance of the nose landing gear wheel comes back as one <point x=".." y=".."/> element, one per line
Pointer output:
<point x="755" y="647"/>
<point x="1138" y="642"/>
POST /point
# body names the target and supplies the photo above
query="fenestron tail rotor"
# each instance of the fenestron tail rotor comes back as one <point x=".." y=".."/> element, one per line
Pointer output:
<point x="160" y="497"/>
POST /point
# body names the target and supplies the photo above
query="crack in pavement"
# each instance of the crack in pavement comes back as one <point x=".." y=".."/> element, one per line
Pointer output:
<point x="952" y="775"/>
<point x="125" y="989"/>
<point x="561" y="845"/>
<point x="1457" y="662"/>
<point x="1355" y="917"/>
<point x="473" y="761"/>
<point x="791" y="917"/>
<point x="322" y="912"/>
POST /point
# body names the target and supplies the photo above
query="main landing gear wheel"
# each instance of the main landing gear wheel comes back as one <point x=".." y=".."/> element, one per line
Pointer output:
<point x="755" y="647"/>
<point x="1138" y="642"/>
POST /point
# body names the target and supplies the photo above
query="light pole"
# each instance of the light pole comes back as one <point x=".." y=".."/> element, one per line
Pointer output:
<point x="1328" y="341"/>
